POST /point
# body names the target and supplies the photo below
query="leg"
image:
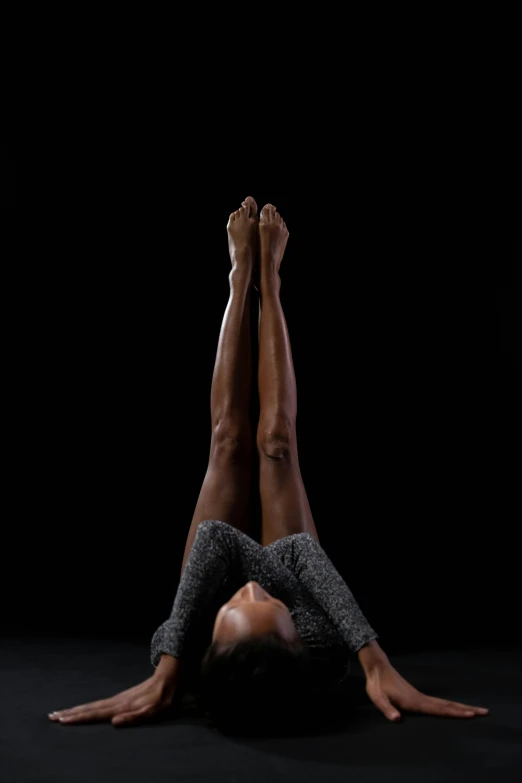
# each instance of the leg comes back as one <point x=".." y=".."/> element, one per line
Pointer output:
<point x="225" y="493"/>
<point x="284" y="503"/>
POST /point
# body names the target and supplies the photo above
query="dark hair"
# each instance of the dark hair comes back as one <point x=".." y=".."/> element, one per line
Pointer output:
<point x="258" y="683"/>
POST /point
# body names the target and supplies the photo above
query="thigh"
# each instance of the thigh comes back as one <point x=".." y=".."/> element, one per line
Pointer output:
<point x="225" y="492"/>
<point x="285" y="509"/>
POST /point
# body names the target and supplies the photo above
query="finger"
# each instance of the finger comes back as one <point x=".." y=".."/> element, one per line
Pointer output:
<point x="445" y="708"/>
<point x="126" y="718"/>
<point x="386" y="707"/>
<point x="103" y="713"/>
<point x="100" y="713"/>
<point x="457" y="712"/>
<point x="445" y="704"/>
<point x="478" y="710"/>
<point x="82" y="707"/>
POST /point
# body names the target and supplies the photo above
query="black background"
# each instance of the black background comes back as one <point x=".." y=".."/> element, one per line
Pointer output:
<point x="7" y="177"/>
<point x="404" y="356"/>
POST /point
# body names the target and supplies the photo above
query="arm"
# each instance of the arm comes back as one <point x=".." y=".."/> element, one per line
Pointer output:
<point x="388" y="690"/>
<point x="210" y="559"/>
<point x="318" y="574"/>
<point x="384" y="685"/>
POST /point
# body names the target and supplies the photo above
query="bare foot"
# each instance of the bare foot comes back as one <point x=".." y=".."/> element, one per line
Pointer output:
<point x="273" y="236"/>
<point x="242" y="234"/>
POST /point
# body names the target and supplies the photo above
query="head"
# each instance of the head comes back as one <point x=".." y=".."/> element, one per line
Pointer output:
<point x="254" y="673"/>
<point x="250" y="613"/>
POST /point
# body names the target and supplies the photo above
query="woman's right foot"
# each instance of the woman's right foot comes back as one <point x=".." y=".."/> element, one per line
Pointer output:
<point x="273" y="236"/>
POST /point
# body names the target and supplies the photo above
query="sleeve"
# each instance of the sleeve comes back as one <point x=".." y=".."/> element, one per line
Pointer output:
<point x="213" y="554"/>
<point x="317" y="573"/>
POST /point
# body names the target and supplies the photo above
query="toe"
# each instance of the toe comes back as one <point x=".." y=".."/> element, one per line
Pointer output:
<point x="250" y="202"/>
<point x="267" y="212"/>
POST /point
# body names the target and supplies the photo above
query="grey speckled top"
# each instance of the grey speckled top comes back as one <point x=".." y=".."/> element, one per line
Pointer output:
<point x="295" y="569"/>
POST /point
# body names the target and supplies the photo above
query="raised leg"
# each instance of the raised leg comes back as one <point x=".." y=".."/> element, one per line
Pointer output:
<point x="225" y="493"/>
<point x="284" y="503"/>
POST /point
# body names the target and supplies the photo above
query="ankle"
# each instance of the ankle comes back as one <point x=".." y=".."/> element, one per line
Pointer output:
<point x="242" y="256"/>
<point x="240" y="276"/>
<point x="269" y="278"/>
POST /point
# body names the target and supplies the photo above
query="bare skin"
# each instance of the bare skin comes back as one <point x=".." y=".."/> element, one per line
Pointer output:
<point x="252" y="610"/>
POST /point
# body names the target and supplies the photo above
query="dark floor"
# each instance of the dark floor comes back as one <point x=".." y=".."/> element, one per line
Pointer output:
<point x="357" y="743"/>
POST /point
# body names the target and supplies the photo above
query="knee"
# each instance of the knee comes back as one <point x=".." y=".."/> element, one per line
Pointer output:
<point x="275" y="440"/>
<point x="231" y="442"/>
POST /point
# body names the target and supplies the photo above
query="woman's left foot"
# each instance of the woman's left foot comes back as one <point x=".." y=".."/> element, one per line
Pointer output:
<point x="242" y="235"/>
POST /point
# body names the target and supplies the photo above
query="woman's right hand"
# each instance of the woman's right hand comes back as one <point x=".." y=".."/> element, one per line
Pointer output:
<point x="135" y="705"/>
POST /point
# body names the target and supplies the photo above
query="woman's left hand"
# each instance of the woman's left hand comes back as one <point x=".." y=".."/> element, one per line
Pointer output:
<point x="388" y="690"/>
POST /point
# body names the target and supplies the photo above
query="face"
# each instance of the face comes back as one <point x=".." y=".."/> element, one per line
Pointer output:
<point x="252" y="611"/>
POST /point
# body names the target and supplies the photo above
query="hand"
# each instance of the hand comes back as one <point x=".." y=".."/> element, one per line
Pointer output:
<point x="135" y="705"/>
<point x="388" y="690"/>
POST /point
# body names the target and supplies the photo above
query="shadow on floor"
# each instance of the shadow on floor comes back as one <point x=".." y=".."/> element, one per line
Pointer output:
<point x="350" y="738"/>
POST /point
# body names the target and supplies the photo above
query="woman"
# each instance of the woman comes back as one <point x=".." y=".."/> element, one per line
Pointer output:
<point x="246" y="605"/>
